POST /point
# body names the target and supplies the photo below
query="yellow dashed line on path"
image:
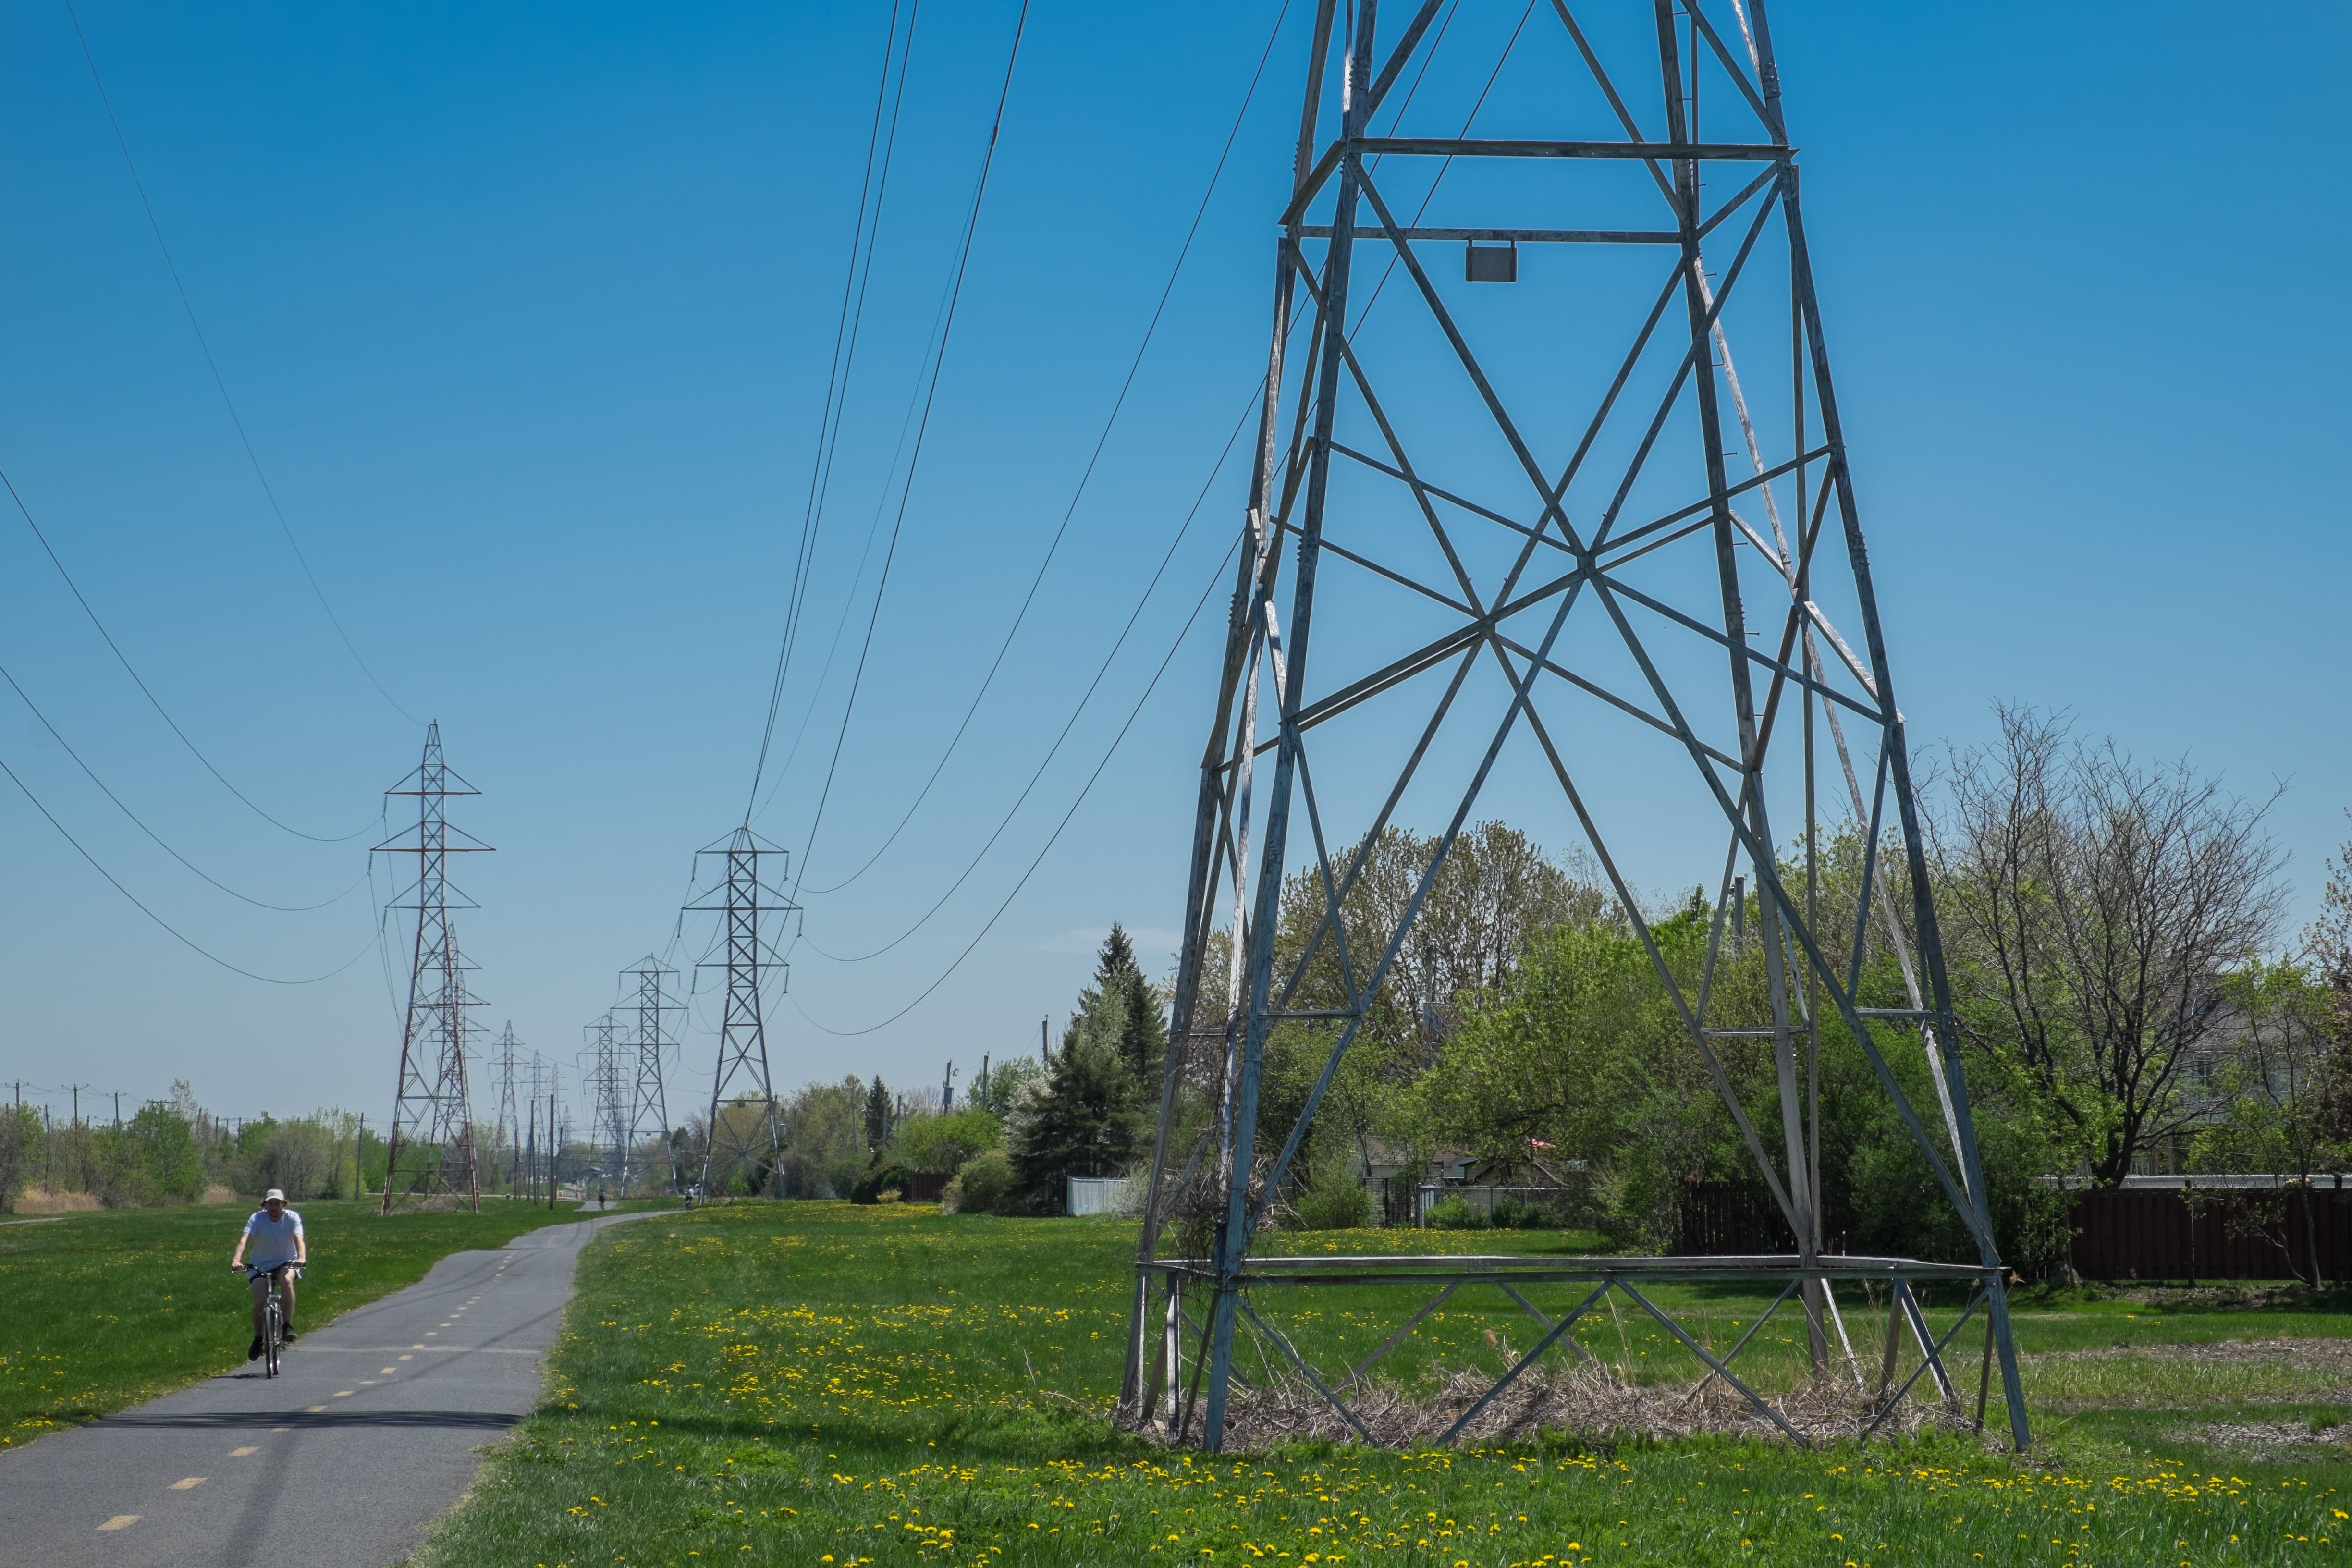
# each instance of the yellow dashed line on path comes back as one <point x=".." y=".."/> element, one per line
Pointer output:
<point x="121" y="1521"/>
<point x="189" y="1485"/>
<point x="241" y="1453"/>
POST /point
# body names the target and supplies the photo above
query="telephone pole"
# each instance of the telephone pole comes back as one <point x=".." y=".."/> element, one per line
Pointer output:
<point x="746" y="1143"/>
<point x="429" y="1151"/>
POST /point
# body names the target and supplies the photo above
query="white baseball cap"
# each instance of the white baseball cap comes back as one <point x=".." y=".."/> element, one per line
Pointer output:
<point x="273" y="1196"/>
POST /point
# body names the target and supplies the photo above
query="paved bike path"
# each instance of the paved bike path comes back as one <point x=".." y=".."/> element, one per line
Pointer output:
<point x="369" y="1432"/>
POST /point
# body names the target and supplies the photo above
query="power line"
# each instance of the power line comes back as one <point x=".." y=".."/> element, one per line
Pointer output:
<point x="1117" y="405"/>
<point x="1055" y="837"/>
<point x="1088" y="696"/>
<point x="152" y="699"/>
<point x="847" y="324"/>
<point x="963" y="258"/>
<point x="169" y="929"/>
<point x="220" y="382"/>
<point x="175" y="854"/>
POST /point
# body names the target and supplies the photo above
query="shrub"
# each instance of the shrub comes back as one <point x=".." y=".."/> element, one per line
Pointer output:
<point x="1454" y="1214"/>
<point x="984" y="1185"/>
<point x="1510" y="1213"/>
<point x="880" y="1177"/>
<point x="1341" y="1204"/>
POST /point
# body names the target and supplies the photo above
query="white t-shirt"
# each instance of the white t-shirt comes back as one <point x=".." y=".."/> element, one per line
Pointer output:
<point x="273" y="1240"/>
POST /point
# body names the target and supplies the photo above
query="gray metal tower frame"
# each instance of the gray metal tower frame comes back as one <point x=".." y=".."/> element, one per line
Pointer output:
<point x="1493" y="547"/>
<point x="749" y="909"/>
<point x="429" y="1151"/>
<point x="507" y="1127"/>
<point x="643" y="987"/>
<point x="610" y="1095"/>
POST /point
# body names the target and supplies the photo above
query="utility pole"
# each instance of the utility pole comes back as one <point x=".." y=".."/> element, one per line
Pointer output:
<point x="430" y="1151"/>
<point x="1635" y="632"/>
<point x="1044" y="1051"/>
<point x="947" y="1089"/>
<point x="554" y="1147"/>
<point x="648" y="1108"/>
<point x="746" y="1141"/>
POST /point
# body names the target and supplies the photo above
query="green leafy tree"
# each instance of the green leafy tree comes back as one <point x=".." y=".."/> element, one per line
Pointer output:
<point x="941" y="1144"/>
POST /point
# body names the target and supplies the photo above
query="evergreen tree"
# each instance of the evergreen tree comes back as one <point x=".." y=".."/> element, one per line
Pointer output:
<point x="1087" y="1123"/>
<point x="1120" y="1011"/>
<point x="877" y="1114"/>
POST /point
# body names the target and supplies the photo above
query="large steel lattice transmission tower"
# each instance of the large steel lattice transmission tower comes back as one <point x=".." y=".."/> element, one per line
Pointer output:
<point x="1557" y="553"/>
<point x="430" y="1152"/>
<point x="647" y="987"/>
<point x="746" y="1143"/>
<point x="507" y="1129"/>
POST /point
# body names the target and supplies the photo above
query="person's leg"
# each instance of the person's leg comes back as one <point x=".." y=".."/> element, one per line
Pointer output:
<point x="260" y="1289"/>
<point x="286" y="1294"/>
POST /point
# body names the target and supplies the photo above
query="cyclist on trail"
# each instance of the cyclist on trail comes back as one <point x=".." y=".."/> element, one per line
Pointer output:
<point x="275" y="1232"/>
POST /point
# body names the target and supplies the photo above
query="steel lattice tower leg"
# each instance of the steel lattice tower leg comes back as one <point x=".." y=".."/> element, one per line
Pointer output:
<point x="429" y="1151"/>
<point x="1441" y="546"/>
<point x="648" y="1106"/>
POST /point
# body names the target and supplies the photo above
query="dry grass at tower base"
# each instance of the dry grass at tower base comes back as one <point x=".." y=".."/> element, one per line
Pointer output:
<point x="1587" y="1402"/>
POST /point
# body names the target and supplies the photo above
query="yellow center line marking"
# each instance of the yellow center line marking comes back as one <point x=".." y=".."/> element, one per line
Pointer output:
<point x="411" y="1357"/>
<point x="189" y="1485"/>
<point x="342" y="1394"/>
<point x="121" y="1521"/>
<point x="431" y="1332"/>
<point x="288" y="1428"/>
<point x="387" y="1372"/>
<point x="312" y="1409"/>
<point x="241" y="1453"/>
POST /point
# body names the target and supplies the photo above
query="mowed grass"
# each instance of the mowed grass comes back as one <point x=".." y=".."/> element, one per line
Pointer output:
<point x="814" y="1384"/>
<point x="101" y="1310"/>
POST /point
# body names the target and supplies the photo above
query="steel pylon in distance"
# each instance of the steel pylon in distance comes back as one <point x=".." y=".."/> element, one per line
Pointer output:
<point x="746" y="1144"/>
<point x="1563" y="556"/>
<point x="648" y="992"/>
<point x="430" y="1152"/>
<point x="608" y="1120"/>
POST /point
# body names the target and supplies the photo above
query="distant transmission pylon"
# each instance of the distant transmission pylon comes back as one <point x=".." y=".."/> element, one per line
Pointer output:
<point x="648" y="1108"/>
<point x="746" y="1141"/>
<point x="608" y="1123"/>
<point x="508" y="1128"/>
<point x="430" y="1152"/>
<point x="1554" y="548"/>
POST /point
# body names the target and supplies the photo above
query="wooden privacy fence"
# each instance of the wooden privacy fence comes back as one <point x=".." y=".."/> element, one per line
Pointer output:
<point x="2278" y="1233"/>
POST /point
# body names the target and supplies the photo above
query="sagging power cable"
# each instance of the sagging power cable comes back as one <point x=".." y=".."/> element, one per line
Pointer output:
<point x="155" y="701"/>
<point x="136" y="821"/>
<point x="1085" y="475"/>
<point x="169" y="929"/>
<point x="914" y="462"/>
<point x="220" y="383"/>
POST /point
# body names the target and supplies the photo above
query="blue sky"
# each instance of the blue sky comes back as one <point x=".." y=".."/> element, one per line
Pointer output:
<point x="527" y="311"/>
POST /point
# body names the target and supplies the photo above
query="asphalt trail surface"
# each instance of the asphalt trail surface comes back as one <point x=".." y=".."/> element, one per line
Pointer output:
<point x="370" y="1431"/>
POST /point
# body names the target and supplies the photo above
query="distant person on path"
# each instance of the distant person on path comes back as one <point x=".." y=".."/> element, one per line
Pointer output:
<point x="600" y="1196"/>
<point x="275" y="1233"/>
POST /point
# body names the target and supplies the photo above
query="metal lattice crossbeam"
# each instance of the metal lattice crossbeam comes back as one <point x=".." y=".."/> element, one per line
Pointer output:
<point x="1562" y="566"/>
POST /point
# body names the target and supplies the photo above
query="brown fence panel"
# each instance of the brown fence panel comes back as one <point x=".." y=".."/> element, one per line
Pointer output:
<point x="2156" y="1234"/>
<point x="925" y="1187"/>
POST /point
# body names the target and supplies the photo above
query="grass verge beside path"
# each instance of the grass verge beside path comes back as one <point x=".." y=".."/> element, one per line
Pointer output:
<point x="99" y="1312"/>
<point x="813" y="1383"/>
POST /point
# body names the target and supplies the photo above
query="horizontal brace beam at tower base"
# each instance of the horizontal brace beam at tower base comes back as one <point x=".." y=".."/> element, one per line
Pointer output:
<point x="1394" y="1270"/>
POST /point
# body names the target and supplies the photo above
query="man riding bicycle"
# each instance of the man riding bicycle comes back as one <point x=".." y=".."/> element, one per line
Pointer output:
<point x="279" y="1252"/>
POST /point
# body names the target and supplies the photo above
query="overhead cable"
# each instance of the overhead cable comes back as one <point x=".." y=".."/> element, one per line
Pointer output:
<point x="1109" y="751"/>
<point x="963" y="258"/>
<point x="1085" y="475"/>
<point x="152" y="699"/>
<point x="220" y="382"/>
<point x="169" y="929"/>
<point x="847" y="327"/>
<point x="175" y="854"/>
<point x="1084" y="699"/>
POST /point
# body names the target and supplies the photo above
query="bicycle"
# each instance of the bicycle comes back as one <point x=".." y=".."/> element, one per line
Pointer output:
<point x="273" y="1314"/>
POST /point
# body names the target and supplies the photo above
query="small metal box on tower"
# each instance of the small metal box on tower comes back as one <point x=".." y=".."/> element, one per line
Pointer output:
<point x="1491" y="263"/>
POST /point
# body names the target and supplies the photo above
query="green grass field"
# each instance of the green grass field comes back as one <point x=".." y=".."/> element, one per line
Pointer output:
<point x="814" y="1384"/>
<point x="107" y="1309"/>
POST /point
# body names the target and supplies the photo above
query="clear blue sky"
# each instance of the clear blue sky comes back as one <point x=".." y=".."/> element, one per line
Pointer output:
<point x="527" y="311"/>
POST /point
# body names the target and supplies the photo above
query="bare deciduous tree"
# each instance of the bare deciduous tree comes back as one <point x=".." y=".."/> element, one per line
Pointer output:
<point x="2093" y="905"/>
